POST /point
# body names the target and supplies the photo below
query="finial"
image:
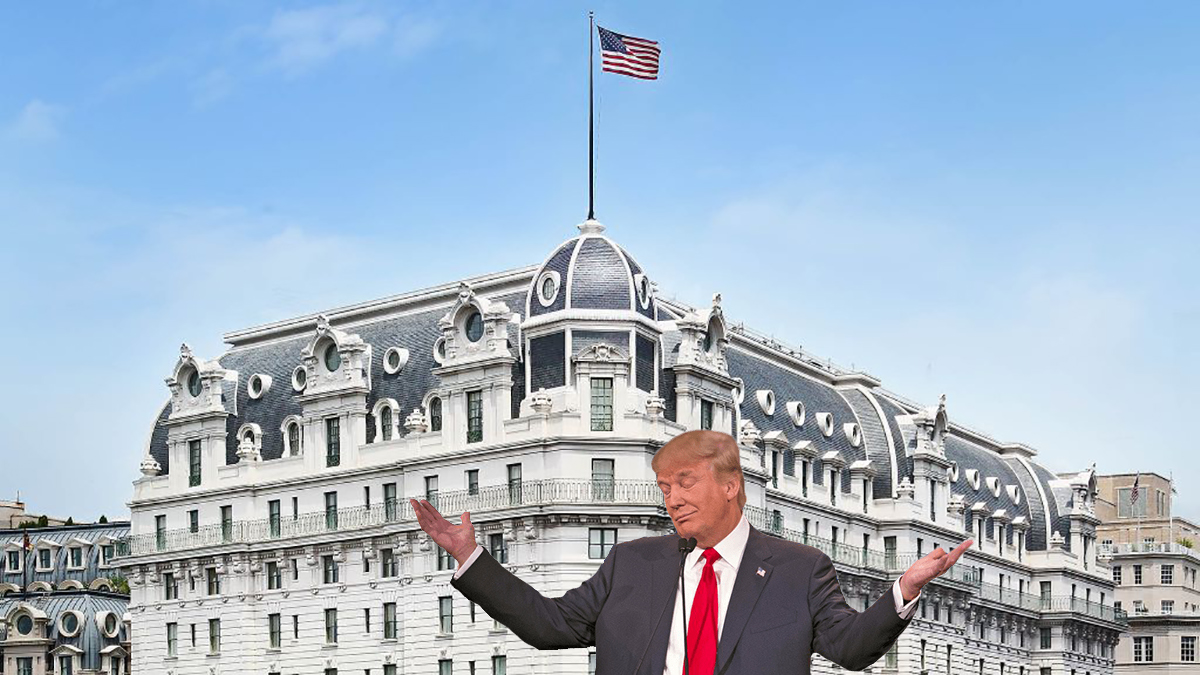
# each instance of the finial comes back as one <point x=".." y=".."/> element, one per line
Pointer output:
<point x="590" y="226"/>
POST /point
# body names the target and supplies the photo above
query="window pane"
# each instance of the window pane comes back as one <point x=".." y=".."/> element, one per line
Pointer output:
<point x="602" y="404"/>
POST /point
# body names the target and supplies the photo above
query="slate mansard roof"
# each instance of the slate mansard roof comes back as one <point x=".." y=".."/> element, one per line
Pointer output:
<point x="594" y="273"/>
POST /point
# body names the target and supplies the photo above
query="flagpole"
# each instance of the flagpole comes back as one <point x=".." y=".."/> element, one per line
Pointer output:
<point x="591" y="119"/>
<point x="592" y="173"/>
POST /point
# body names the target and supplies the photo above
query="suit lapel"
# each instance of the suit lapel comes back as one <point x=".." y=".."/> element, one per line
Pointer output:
<point x="664" y="575"/>
<point x="746" y="590"/>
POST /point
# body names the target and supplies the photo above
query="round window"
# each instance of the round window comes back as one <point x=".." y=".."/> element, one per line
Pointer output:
<point x="70" y="623"/>
<point x="393" y="360"/>
<point x="299" y="379"/>
<point x="194" y="383"/>
<point x="474" y="327"/>
<point x="333" y="358"/>
<point x="24" y="624"/>
<point x="110" y="624"/>
<point x="549" y="287"/>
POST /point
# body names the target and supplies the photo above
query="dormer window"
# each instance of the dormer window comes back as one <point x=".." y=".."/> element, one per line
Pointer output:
<point x="549" y="287"/>
<point x="333" y="358"/>
<point x="294" y="439"/>
<point x="712" y="335"/>
<point x="193" y="383"/>
<point x="24" y="624"/>
<point x="473" y="326"/>
<point x="385" y="422"/>
<point x="435" y="414"/>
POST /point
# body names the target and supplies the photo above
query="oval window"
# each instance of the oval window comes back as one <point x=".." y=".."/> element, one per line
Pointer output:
<point x="548" y="288"/>
<point x="474" y="327"/>
<point x="194" y="383"/>
<point x="110" y="624"/>
<point x="70" y="623"/>
<point x="333" y="358"/>
<point x="25" y="624"/>
<point x="393" y="360"/>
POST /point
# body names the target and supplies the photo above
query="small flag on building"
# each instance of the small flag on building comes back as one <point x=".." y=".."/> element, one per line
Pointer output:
<point x="1133" y="494"/>
<point x="627" y="55"/>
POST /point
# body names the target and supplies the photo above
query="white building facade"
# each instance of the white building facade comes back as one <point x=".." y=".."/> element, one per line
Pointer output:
<point x="271" y="530"/>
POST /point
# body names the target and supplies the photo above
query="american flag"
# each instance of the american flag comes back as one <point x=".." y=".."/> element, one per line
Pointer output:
<point x="630" y="56"/>
<point x="1133" y="494"/>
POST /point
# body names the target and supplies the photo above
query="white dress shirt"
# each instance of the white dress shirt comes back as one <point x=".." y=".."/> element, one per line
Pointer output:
<point x="731" y="549"/>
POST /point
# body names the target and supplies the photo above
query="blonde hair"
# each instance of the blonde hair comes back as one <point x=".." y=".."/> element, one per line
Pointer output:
<point x="698" y="445"/>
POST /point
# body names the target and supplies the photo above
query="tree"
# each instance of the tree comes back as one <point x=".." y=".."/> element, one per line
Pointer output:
<point x="1185" y="542"/>
<point x="120" y="584"/>
<point x="70" y="521"/>
<point x="43" y="521"/>
<point x="103" y="519"/>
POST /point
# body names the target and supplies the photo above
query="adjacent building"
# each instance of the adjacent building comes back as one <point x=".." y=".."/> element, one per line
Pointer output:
<point x="63" y="601"/>
<point x="271" y="531"/>
<point x="1153" y="559"/>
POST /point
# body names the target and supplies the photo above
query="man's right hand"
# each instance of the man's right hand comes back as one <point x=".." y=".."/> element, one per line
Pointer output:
<point x="458" y="540"/>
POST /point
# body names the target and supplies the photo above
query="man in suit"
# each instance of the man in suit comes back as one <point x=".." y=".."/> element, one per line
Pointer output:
<point x="754" y="603"/>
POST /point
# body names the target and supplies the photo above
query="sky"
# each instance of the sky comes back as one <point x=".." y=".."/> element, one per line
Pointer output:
<point x="994" y="202"/>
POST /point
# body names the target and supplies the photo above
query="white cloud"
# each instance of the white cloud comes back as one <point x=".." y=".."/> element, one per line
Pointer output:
<point x="38" y="122"/>
<point x="211" y="87"/>
<point x="305" y="38"/>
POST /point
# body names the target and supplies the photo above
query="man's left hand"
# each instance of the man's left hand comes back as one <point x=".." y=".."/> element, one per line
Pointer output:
<point x="925" y="569"/>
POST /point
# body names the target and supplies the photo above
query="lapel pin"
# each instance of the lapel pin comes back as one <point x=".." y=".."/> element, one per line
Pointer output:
<point x="761" y="572"/>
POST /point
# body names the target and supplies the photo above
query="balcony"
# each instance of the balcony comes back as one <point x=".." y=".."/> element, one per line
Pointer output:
<point x="1062" y="603"/>
<point x="1110" y="550"/>
<point x="521" y="493"/>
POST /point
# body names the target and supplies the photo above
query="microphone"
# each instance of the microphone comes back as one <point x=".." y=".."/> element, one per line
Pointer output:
<point x="686" y="546"/>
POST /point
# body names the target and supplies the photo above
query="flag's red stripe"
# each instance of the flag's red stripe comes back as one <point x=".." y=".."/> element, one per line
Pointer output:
<point x="640" y="77"/>
<point x="635" y="63"/>
<point x="640" y="48"/>
<point x="629" y="71"/>
<point x="641" y="42"/>
<point x="639" y="69"/>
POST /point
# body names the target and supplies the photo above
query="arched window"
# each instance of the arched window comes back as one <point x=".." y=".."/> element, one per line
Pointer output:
<point x="385" y="422"/>
<point x="435" y="414"/>
<point x="294" y="442"/>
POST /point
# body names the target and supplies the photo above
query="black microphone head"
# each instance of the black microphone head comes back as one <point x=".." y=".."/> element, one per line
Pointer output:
<point x="687" y="545"/>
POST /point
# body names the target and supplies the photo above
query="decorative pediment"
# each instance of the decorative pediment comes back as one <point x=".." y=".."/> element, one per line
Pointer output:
<point x="704" y="338"/>
<point x="601" y="352"/>
<point x="335" y="362"/>
<point x="197" y="387"/>
<point x="475" y="329"/>
<point x="776" y="439"/>
<point x="931" y="426"/>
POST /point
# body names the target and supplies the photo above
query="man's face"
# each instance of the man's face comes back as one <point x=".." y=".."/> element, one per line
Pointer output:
<point x="699" y="505"/>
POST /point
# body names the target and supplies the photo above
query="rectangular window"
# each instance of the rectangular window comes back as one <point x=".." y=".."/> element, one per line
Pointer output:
<point x="329" y="569"/>
<point x="431" y="490"/>
<point x="367" y="620"/>
<point x="1187" y="648"/>
<point x="706" y="414"/>
<point x="274" y="578"/>
<point x="387" y="559"/>
<point x="66" y="665"/>
<point x="274" y="631"/>
<point x="389" y="669"/>
<point x="833" y="486"/>
<point x="170" y="587"/>
<point x="445" y="667"/>
<point x="1143" y="649"/>
<point x="389" y="501"/>
<point x="473" y="482"/>
<point x="803" y="478"/>
<point x="172" y="639"/>
<point x="515" y="495"/>
<point x="193" y="463"/>
<point x="24" y="665"/>
<point x="389" y="621"/>
<point x="498" y="548"/>
<point x="14" y="562"/>
<point x="446" y="614"/>
<point x="331" y="634"/>
<point x="1045" y="637"/>
<point x="192" y="628"/>
<point x="160" y="534"/>
<point x="1116" y="574"/>
<point x="295" y="626"/>
<point x="474" y="416"/>
<point x="76" y="557"/>
<point x="214" y="636"/>
<point x="601" y="541"/>
<point x="499" y="665"/>
<point x="445" y="560"/>
<point x="226" y="524"/>
<point x="602" y="404"/>
<point x="1167" y="574"/>
<point x="1167" y="607"/>
<point x="1137" y="574"/>
<point x="331" y="511"/>
<point x="603" y="480"/>
<point x="274" y="518"/>
<point x="214" y="581"/>
<point x="333" y="442"/>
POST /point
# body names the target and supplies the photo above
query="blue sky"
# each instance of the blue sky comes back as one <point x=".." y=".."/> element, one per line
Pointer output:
<point x="994" y="202"/>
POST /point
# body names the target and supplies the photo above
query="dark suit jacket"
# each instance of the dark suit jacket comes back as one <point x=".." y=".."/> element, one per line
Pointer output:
<point x="773" y="623"/>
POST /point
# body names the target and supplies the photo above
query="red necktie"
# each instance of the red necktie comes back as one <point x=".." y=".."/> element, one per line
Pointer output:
<point x="702" y="626"/>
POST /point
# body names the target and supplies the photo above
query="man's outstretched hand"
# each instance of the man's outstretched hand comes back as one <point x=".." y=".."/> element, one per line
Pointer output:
<point x="458" y="540"/>
<point x="925" y="569"/>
